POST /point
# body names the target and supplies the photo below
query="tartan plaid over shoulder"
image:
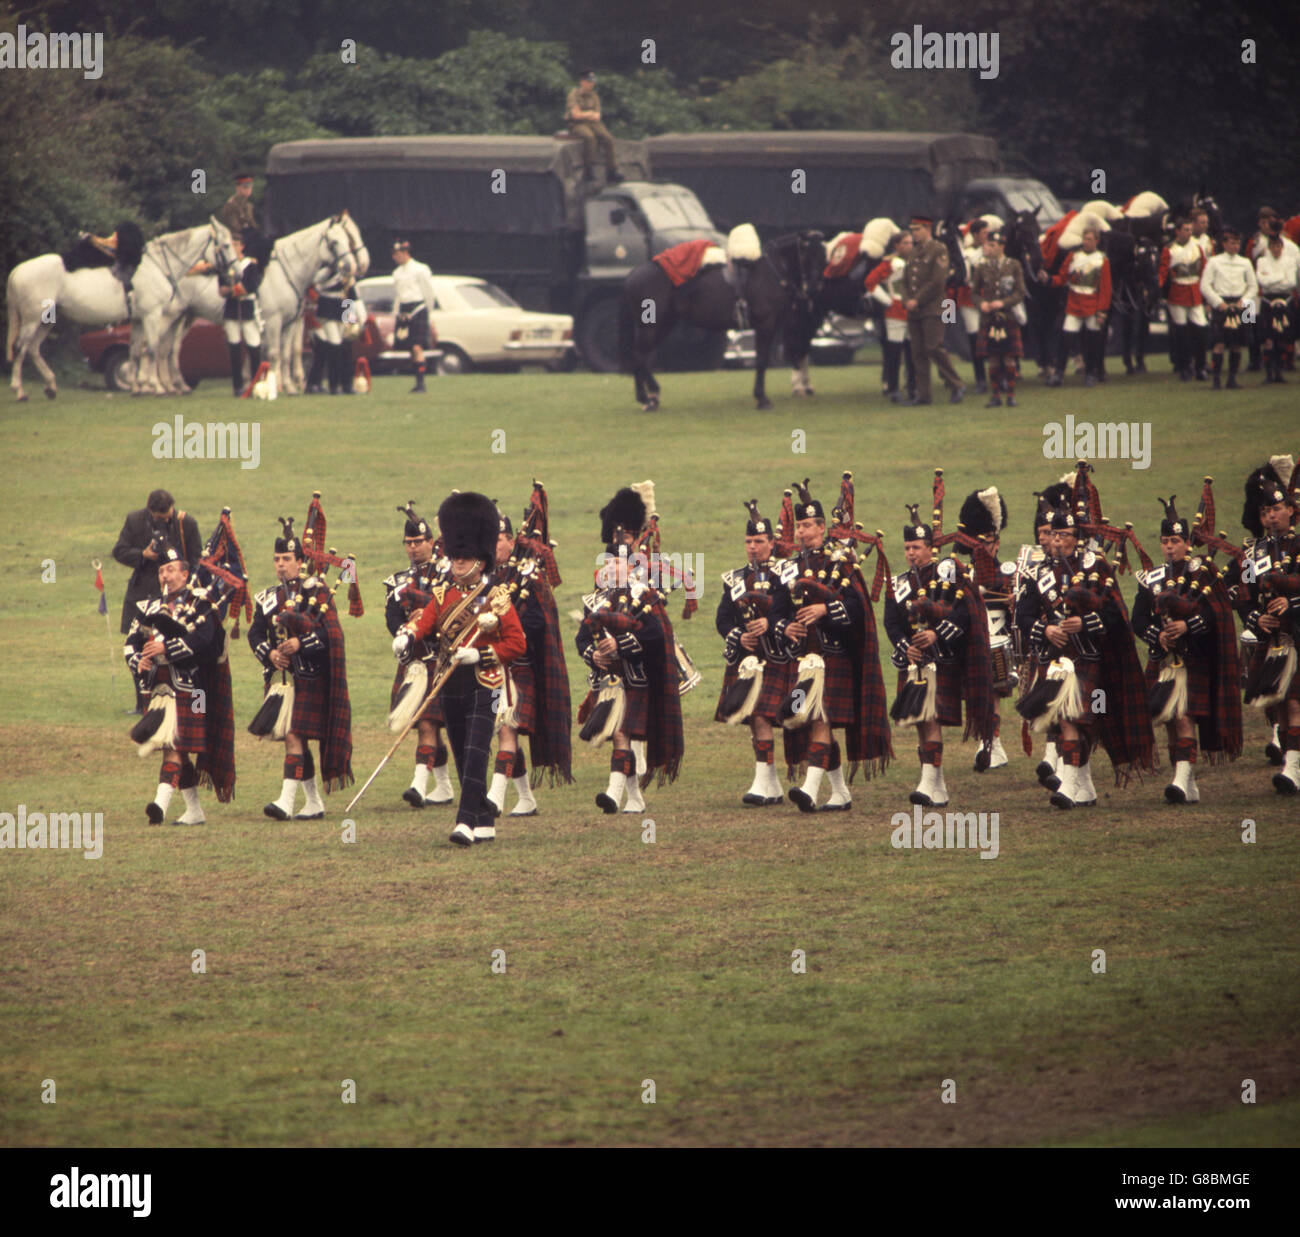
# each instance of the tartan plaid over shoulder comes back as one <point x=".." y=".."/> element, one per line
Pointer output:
<point x="665" y="743"/>
<point x="868" y="741"/>
<point x="336" y="747"/>
<point x="550" y="743"/>
<point x="1124" y="725"/>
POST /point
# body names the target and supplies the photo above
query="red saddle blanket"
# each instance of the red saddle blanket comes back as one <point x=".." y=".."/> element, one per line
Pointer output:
<point x="843" y="256"/>
<point x="682" y="262"/>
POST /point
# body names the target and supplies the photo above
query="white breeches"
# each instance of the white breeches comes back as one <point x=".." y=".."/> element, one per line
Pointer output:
<point x="1181" y="315"/>
<point x="1073" y="324"/>
<point x="249" y="332"/>
<point x="896" y="330"/>
<point x="970" y="318"/>
<point x="330" y="332"/>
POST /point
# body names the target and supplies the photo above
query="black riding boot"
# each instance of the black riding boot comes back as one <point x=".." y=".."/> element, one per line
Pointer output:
<point x="236" y="368"/>
<point x="1234" y="361"/>
<point x="417" y="368"/>
<point x="254" y="362"/>
<point x="1199" y="336"/>
<point x="345" y="366"/>
<point x="317" y="367"/>
<point x="910" y="369"/>
<point x="889" y="365"/>
<point x="1216" y="369"/>
<point x="981" y="374"/>
<point x="333" y="366"/>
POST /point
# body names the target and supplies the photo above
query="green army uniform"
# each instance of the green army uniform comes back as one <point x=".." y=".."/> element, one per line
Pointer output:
<point x="593" y="132"/>
<point x="924" y="279"/>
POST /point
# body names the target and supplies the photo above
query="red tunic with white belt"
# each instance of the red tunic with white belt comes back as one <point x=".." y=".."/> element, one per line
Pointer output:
<point x="507" y="642"/>
<point x="885" y="283"/>
<point x="1182" y="266"/>
<point x="1087" y="275"/>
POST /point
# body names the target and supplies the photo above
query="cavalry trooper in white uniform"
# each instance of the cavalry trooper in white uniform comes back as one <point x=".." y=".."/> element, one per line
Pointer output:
<point x="414" y="298"/>
<point x="241" y="319"/>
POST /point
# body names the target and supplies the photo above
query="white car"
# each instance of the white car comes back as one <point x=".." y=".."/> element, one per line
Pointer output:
<point x="475" y="324"/>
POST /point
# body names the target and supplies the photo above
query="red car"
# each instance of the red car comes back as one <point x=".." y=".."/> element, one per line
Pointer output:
<point x="203" y="351"/>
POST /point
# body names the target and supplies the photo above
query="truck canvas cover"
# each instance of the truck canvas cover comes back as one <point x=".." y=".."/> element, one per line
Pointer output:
<point x="411" y="185"/>
<point x="851" y="176"/>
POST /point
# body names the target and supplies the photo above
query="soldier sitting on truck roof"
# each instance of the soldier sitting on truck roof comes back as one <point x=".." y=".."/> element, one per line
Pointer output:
<point x="582" y="115"/>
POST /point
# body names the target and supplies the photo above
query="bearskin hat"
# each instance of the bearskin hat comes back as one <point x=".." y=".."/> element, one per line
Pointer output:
<point x="626" y="510"/>
<point x="1264" y="487"/>
<point x="983" y="515"/>
<point x="469" y="526"/>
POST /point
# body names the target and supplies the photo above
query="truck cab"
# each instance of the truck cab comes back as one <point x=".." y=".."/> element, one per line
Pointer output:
<point x="1005" y="196"/>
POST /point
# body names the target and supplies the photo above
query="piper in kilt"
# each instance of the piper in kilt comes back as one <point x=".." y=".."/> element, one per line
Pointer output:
<point x="1028" y="563"/>
<point x="627" y="641"/>
<point x="752" y="615"/>
<point x="538" y="700"/>
<point x="406" y="594"/>
<point x="176" y="649"/>
<point x="1091" y="685"/>
<point x="1269" y="596"/>
<point x="295" y="634"/>
<point x="837" y="683"/>
<point x="478" y="635"/>
<point x="998" y="287"/>
<point x="936" y="621"/>
<point x="1193" y="673"/>
<point x="979" y="534"/>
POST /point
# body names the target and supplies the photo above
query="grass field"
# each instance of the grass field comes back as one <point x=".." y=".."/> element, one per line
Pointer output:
<point x="625" y="961"/>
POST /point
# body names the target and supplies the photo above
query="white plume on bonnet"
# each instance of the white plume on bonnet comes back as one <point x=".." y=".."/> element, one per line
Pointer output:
<point x="1145" y="204"/>
<point x="992" y="503"/>
<point x="1104" y="209"/>
<point x="1284" y="466"/>
<point x="877" y="234"/>
<point x="646" y="489"/>
<point x="743" y="244"/>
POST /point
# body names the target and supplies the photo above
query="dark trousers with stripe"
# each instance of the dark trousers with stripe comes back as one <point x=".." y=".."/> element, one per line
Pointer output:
<point x="467" y="709"/>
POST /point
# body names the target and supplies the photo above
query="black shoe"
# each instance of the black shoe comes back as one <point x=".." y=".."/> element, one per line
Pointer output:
<point x="756" y="800"/>
<point x="916" y="403"/>
<point x="275" y="812"/>
<point x="957" y="395"/>
<point x="1283" y="784"/>
<point x="835" y="807"/>
<point x="1062" y="801"/>
<point x="1216" y="383"/>
<point x="1011" y="401"/>
<point x="1201" y="375"/>
<point x="413" y="797"/>
<point x="800" y="798"/>
<point x="1273" y="754"/>
<point x="896" y="397"/>
<point x="981" y="388"/>
<point x="419" y="387"/>
<point x="1090" y="380"/>
<point x="1232" y="384"/>
<point x="606" y="804"/>
<point x="462" y="835"/>
<point x="309" y="816"/>
<point x="154" y="813"/>
<point x="994" y="402"/>
<point x="315" y="389"/>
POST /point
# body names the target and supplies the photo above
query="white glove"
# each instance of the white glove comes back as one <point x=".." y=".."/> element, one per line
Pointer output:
<point x="488" y="622"/>
<point x="402" y="645"/>
<point x="465" y="657"/>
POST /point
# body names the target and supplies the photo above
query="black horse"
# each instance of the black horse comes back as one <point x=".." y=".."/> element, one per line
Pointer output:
<point x="1135" y="295"/>
<point x="840" y="294"/>
<point x="782" y="281"/>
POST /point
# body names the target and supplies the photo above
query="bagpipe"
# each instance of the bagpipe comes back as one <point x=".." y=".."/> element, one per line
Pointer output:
<point x="533" y="552"/>
<point x="319" y="559"/>
<point x="1275" y="569"/>
<point x="845" y="529"/>
<point x="218" y="585"/>
<point x="1174" y="601"/>
<point x="612" y="611"/>
<point x="754" y="603"/>
<point x="929" y="606"/>
<point x="1104" y="535"/>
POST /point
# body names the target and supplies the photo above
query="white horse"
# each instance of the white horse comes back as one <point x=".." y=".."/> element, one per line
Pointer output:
<point x="298" y="261"/>
<point x="42" y="290"/>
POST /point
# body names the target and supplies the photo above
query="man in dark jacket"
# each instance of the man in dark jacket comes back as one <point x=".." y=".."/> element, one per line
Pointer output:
<point x="139" y="546"/>
<point x="924" y="280"/>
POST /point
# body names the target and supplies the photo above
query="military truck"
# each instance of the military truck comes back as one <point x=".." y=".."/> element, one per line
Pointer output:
<point x="513" y="210"/>
<point x="835" y="180"/>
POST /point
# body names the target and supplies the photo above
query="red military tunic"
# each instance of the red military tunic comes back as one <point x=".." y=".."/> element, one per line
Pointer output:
<point x="507" y="642"/>
<point x="1087" y="275"/>
<point x="1182" y="266"/>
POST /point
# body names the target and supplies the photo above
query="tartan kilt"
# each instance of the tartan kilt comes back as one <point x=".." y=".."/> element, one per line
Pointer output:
<point x="1261" y="652"/>
<point x="191" y="727"/>
<point x="1199" y="701"/>
<point x="1088" y="674"/>
<point x="310" y="708"/>
<point x="778" y="679"/>
<point x="947" y="693"/>
<point x="636" y="710"/>
<point x="837" y="692"/>
<point x="521" y="676"/>
<point x="1011" y="346"/>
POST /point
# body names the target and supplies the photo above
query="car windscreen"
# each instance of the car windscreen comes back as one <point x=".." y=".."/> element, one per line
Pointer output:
<point x="1040" y="199"/>
<point x="678" y="211"/>
<point x="485" y="296"/>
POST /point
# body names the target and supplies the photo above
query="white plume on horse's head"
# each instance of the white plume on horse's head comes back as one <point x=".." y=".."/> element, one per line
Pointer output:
<point x="1104" y="209"/>
<point x="743" y="244"/>
<point x="994" y="221"/>
<point x="1145" y="204"/>
<point x="876" y="235"/>
<point x="1072" y="237"/>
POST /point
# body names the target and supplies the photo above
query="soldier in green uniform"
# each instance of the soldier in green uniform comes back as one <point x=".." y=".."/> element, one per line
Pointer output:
<point x="924" y="279"/>
<point x="582" y="115"/>
<point x="237" y="214"/>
